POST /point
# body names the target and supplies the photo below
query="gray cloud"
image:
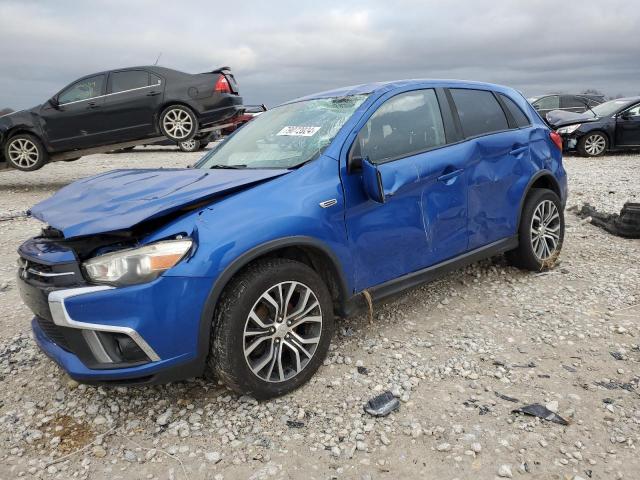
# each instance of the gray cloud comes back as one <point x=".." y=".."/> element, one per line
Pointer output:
<point x="280" y="50"/>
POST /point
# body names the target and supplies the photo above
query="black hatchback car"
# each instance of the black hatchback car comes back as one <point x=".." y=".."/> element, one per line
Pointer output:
<point x="119" y="106"/>
<point x="613" y="125"/>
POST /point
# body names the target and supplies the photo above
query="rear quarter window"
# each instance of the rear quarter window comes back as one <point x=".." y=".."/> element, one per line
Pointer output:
<point x="516" y="113"/>
<point x="479" y="112"/>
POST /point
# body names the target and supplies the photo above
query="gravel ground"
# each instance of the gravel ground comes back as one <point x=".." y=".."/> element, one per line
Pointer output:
<point x="457" y="352"/>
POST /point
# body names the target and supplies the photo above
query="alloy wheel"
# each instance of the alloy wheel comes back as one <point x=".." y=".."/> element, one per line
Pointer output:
<point x="595" y="144"/>
<point x="177" y="123"/>
<point x="23" y="153"/>
<point x="189" y="145"/>
<point x="545" y="230"/>
<point x="282" y="331"/>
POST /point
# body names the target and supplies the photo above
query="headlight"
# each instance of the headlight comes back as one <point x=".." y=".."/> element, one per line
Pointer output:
<point x="570" y="129"/>
<point x="136" y="265"/>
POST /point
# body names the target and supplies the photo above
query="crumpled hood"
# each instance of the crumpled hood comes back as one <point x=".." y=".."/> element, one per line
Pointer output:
<point x="558" y="118"/>
<point x="121" y="199"/>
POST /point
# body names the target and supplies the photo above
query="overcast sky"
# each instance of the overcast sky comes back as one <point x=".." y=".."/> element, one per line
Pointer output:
<point x="279" y="50"/>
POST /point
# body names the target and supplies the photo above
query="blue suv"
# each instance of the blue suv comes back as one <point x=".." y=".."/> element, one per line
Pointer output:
<point x="238" y="267"/>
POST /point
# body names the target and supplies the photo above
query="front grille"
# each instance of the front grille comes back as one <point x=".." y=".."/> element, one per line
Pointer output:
<point x="59" y="275"/>
<point x="54" y="332"/>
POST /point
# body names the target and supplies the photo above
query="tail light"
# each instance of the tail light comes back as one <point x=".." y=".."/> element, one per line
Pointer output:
<point x="556" y="139"/>
<point x="222" y="85"/>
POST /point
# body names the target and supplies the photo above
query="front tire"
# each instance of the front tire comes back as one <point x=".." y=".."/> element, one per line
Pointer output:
<point x="272" y="328"/>
<point x="25" y="152"/>
<point x="540" y="233"/>
<point x="178" y="123"/>
<point x="593" y="144"/>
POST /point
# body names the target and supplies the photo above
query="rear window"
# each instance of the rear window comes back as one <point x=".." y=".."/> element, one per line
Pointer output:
<point x="479" y="112"/>
<point x="121" y="81"/>
<point x="518" y="115"/>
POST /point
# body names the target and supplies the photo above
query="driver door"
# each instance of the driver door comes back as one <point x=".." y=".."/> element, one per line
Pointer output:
<point x="78" y="119"/>
<point x="424" y="215"/>
<point x="628" y="127"/>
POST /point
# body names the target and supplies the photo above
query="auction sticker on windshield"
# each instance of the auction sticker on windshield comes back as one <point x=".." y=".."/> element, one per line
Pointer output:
<point x="298" y="131"/>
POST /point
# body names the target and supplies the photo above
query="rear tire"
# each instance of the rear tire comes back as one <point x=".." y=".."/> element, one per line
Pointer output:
<point x="25" y="152"/>
<point x="593" y="144"/>
<point x="178" y="123"/>
<point x="272" y="328"/>
<point x="540" y="233"/>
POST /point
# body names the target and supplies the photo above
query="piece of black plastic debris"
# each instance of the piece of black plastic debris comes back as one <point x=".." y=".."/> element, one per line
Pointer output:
<point x="483" y="409"/>
<point x="540" y="411"/>
<point x="613" y="385"/>
<point x="526" y="365"/>
<point x="617" y="355"/>
<point x="498" y="363"/>
<point x="506" y="397"/>
<point x="363" y="371"/>
<point x="608" y="400"/>
<point x="294" y="424"/>
<point x="382" y="405"/>
<point x="627" y="224"/>
<point x="588" y="473"/>
<point x="544" y="375"/>
<point x="569" y="369"/>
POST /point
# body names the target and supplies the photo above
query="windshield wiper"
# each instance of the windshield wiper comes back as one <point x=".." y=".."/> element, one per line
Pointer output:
<point x="232" y="167"/>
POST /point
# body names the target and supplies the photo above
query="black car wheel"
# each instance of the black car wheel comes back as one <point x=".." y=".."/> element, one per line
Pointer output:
<point x="272" y="328"/>
<point x="25" y="152"/>
<point x="593" y="144"/>
<point x="541" y="231"/>
<point x="192" y="145"/>
<point x="178" y="123"/>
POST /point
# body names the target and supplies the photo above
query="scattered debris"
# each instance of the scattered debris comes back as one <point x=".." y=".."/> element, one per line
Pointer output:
<point x="569" y="368"/>
<point x="294" y="424"/>
<point x="617" y="355"/>
<point x="544" y="375"/>
<point x="507" y="398"/>
<point x="363" y="370"/>
<point x="627" y="224"/>
<point x="540" y="411"/>
<point x="382" y="405"/>
<point x="614" y="384"/>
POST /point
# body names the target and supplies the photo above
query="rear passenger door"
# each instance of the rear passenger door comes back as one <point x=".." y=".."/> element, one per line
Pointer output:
<point x="572" y="103"/>
<point x="423" y="219"/>
<point x="497" y="150"/>
<point x="132" y="102"/>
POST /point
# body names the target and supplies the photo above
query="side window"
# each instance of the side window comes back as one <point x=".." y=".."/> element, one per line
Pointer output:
<point x="121" y="81"/>
<point x="518" y="115"/>
<point x="479" y="112"/>
<point x="633" y="111"/>
<point x="552" y="102"/>
<point x="154" y="79"/>
<point x="406" y="124"/>
<point x="83" y="90"/>
<point x="571" y="101"/>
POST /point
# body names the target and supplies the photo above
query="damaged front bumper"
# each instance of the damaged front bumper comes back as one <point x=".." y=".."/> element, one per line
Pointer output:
<point x="144" y="333"/>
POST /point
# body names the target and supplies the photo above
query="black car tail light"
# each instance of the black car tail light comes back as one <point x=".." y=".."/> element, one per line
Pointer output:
<point x="222" y="85"/>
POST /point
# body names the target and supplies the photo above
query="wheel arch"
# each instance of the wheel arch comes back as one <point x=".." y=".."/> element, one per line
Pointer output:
<point x="542" y="179"/>
<point x="307" y="250"/>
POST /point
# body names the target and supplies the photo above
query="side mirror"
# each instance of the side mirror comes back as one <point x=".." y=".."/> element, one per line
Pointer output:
<point x="372" y="181"/>
<point x="53" y="101"/>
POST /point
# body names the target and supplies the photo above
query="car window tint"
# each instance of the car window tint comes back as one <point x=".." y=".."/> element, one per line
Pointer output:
<point x="479" y="112"/>
<point x="551" y="102"/>
<point x="405" y="124"/>
<point x="571" y="101"/>
<point x="83" y="90"/>
<point x="121" y="81"/>
<point x="518" y="115"/>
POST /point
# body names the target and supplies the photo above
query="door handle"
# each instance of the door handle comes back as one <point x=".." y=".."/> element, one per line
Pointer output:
<point x="448" y="176"/>
<point x="93" y="105"/>
<point x="152" y="93"/>
<point x="518" y="150"/>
